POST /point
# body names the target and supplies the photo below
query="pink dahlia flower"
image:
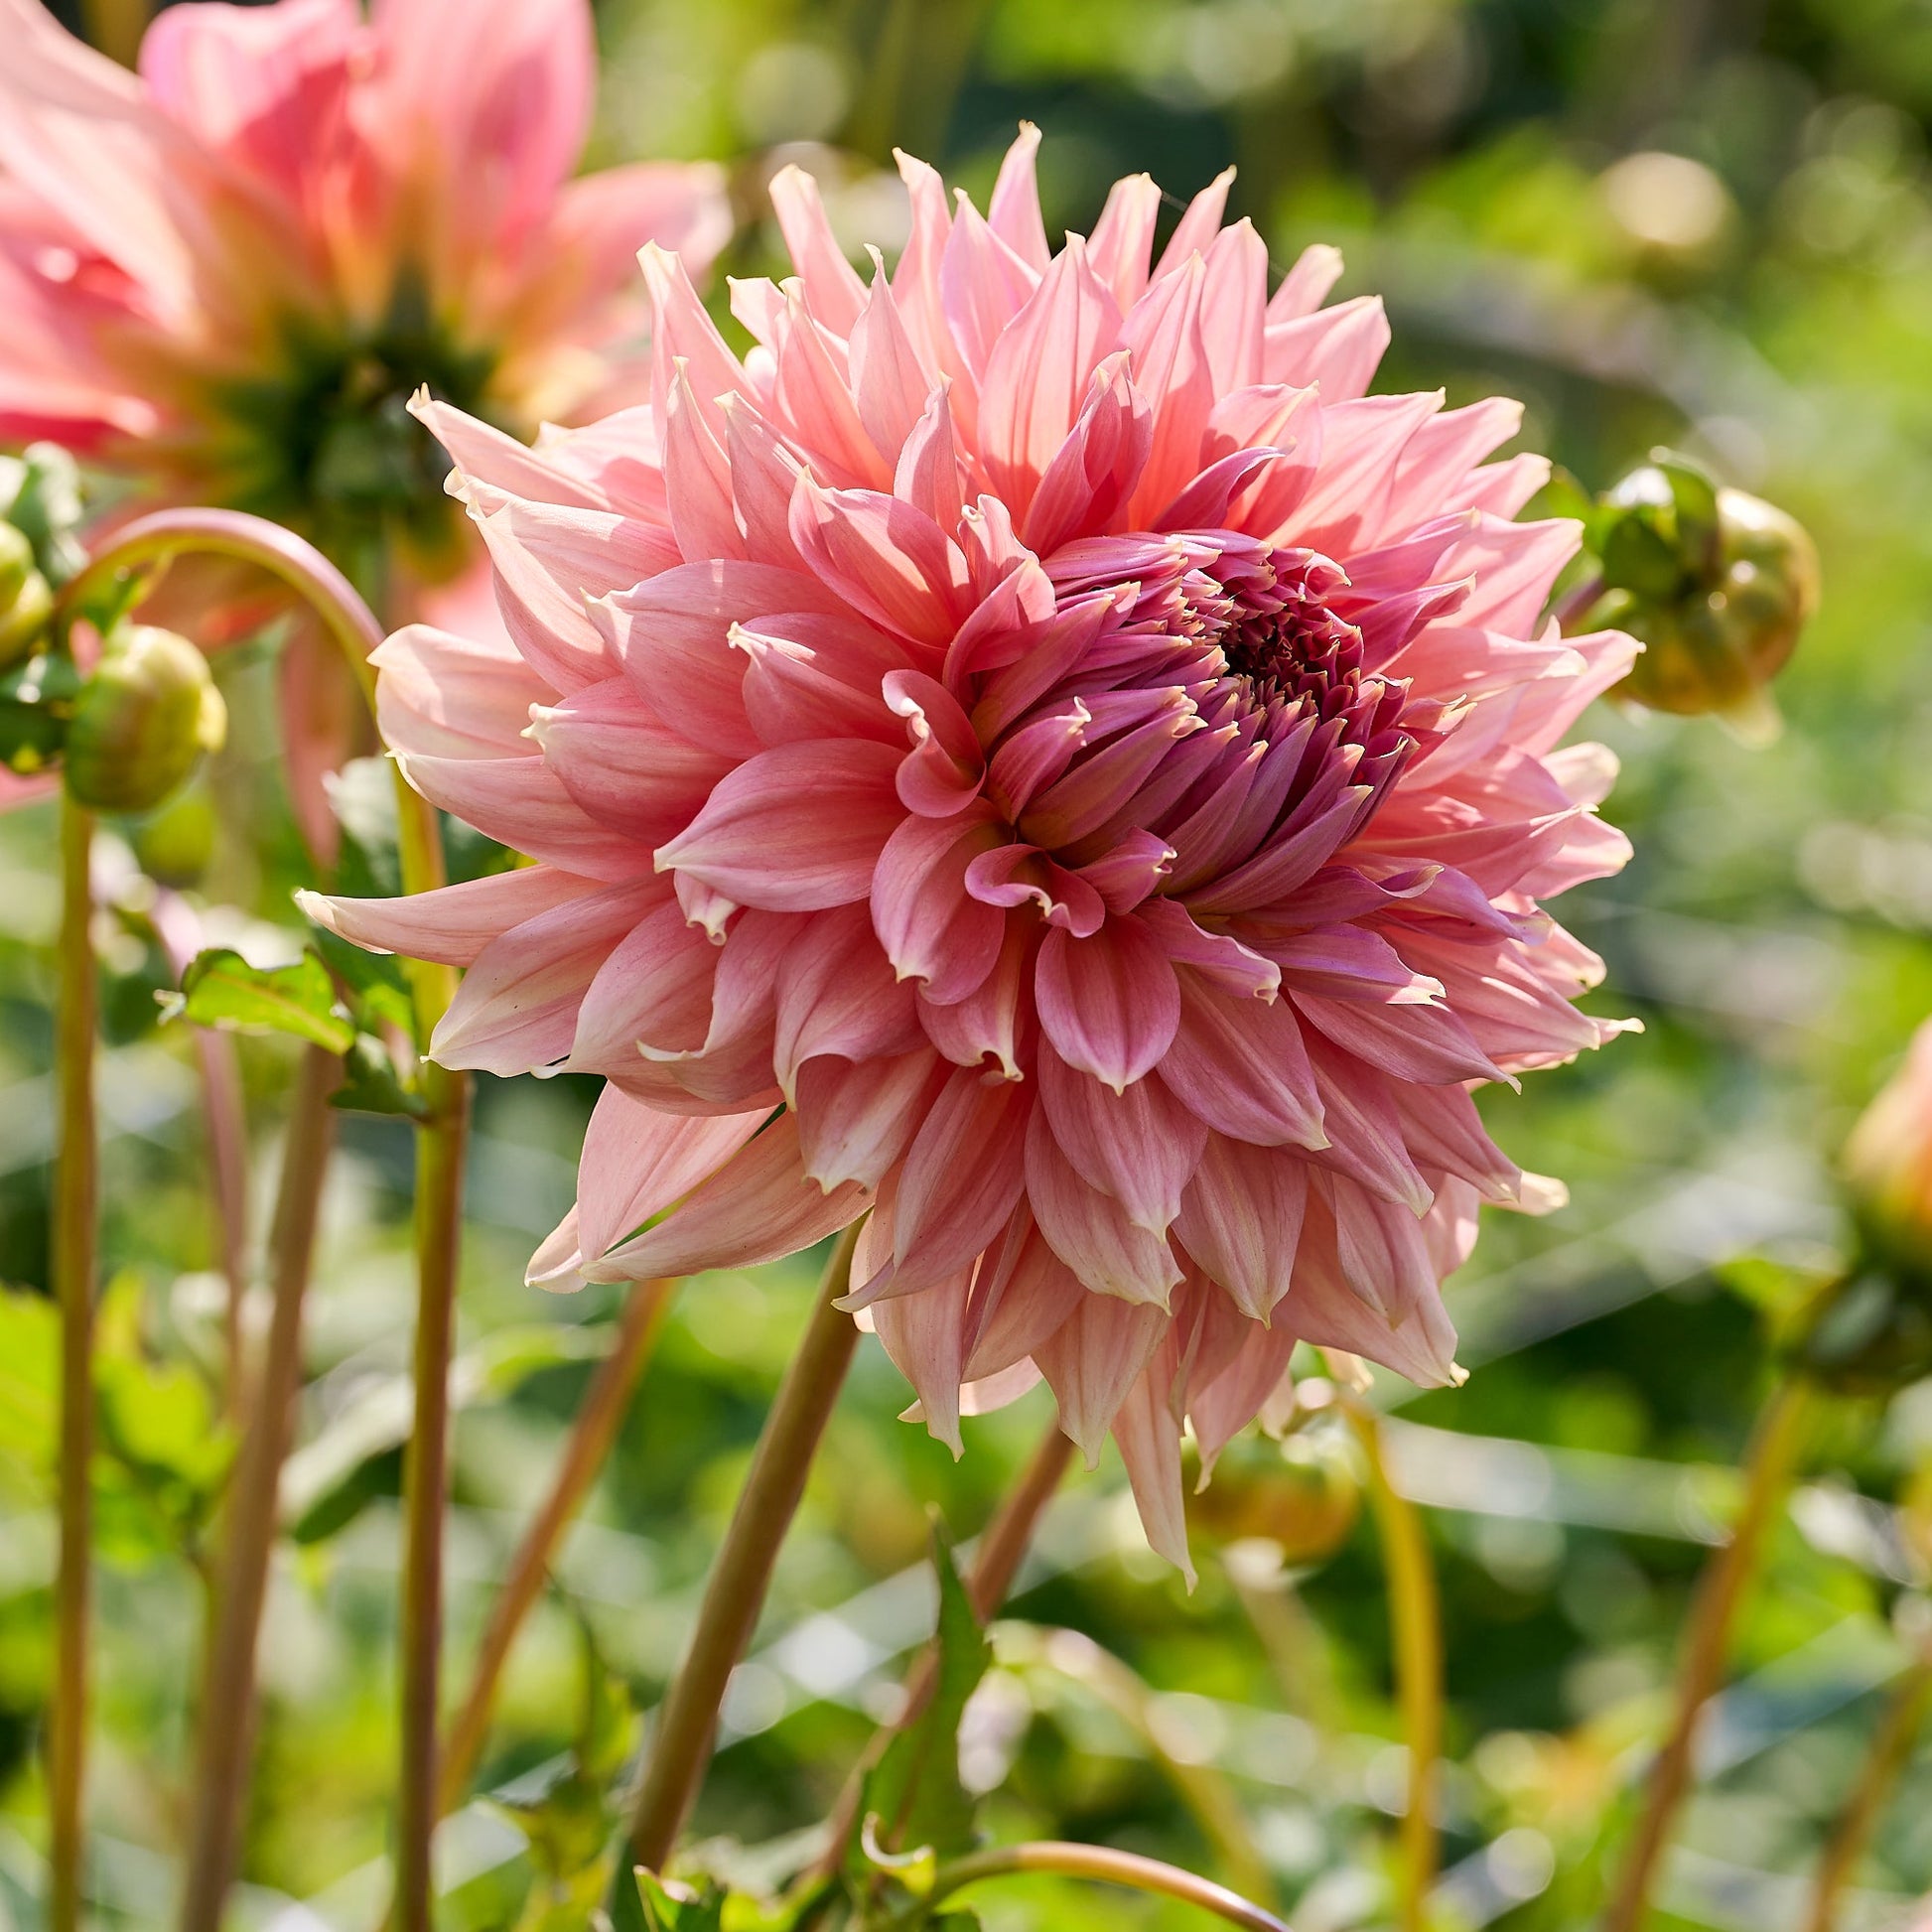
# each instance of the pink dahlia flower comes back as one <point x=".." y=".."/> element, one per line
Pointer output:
<point x="1033" y="752"/>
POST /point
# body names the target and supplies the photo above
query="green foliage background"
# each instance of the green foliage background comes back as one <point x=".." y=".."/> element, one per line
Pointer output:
<point x="1772" y="933"/>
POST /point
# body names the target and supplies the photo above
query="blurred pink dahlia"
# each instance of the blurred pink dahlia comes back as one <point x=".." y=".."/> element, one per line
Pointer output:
<point x="1035" y="752"/>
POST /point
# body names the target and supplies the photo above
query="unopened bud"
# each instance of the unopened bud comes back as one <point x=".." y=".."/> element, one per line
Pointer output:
<point x="1715" y="583"/>
<point x="25" y="600"/>
<point x="142" y="722"/>
<point x="1302" y="1496"/>
<point x="1887" y="1161"/>
<point x="175" y="842"/>
<point x="39" y="496"/>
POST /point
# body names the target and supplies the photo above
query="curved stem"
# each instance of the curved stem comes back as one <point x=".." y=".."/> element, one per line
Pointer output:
<point x="1892" y="1751"/>
<point x="225" y="1731"/>
<point x="598" y="1417"/>
<point x="76" y="1188"/>
<point x="1416" y="1614"/>
<point x="681" y="1745"/>
<point x="1113" y="1868"/>
<point x="440" y="1139"/>
<point x="116" y="27"/>
<point x="1777" y="1441"/>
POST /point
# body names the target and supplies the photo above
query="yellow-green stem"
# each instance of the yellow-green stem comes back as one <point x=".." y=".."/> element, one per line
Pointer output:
<point x="1416" y="1617"/>
<point x="227" y="1719"/>
<point x="681" y="1743"/>
<point x="1892" y="1751"/>
<point x="593" y="1429"/>
<point x="116" y="27"/>
<point x="1128" y="1868"/>
<point x="1776" y="1443"/>
<point x="442" y="1137"/>
<point x="75" y="1237"/>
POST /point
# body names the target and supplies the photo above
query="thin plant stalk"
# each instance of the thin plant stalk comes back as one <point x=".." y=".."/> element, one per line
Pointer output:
<point x="227" y="1723"/>
<point x="1001" y="1548"/>
<point x="1777" y="1440"/>
<point x="599" y="1417"/>
<point x="1099" y="1861"/>
<point x="74" y="1243"/>
<point x="116" y="27"/>
<point x="147" y="546"/>
<point x="1416" y="1616"/>
<point x="681" y="1743"/>
<point x="1891" y="1751"/>
<point x="226" y="1116"/>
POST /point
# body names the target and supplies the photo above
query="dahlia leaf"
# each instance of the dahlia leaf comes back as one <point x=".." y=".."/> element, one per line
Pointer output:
<point x="221" y="989"/>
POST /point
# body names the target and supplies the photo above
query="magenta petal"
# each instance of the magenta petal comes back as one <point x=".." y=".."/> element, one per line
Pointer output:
<point x="856" y="1119"/>
<point x="1110" y="1003"/>
<point x="836" y="993"/>
<point x="963" y="1175"/>
<point x="932" y="929"/>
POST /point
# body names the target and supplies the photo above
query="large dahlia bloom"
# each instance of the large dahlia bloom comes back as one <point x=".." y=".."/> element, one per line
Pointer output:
<point x="1035" y="752"/>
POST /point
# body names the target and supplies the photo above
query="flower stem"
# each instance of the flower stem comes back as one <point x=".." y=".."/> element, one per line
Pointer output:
<point x="75" y="1236"/>
<point x="1416" y="1612"/>
<point x="1098" y="1861"/>
<point x="1891" y="1750"/>
<point x="116" y="27"/>
<point x="226" y="1731"/>
<point x="681" y="1745"/>
<point x="1777" y="1441"/>
<point x="594" y="1429"/>
<point x="440" y="1140"/>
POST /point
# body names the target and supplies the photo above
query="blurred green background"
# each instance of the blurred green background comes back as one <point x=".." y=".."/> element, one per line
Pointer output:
<point x="1705" y="223"/>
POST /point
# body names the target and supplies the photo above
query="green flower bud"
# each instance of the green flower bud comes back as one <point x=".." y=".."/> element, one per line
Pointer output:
<point x="142" y="722"/>
<point x="1302" y="1496"/>
<point x="25" y="598"/>
<point x="39" y="496"/>
<point x="175" y="842"/>
<point x="1715" y="583"/>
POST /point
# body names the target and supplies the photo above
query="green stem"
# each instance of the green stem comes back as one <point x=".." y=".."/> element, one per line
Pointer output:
<point x="594" y="1429"/>
<point x="75" y="1237"/>
<point x="1892" y="1751"/>
<point x="1776" y="1443"/>
<point x="225" y="1731"/>
<point x="116" y="27"/>
<point x="440" y="1140"/>
<point x="1100" y="1862"/>
<point x="681" y="1744"/>
<point x="1416" y="1612"/>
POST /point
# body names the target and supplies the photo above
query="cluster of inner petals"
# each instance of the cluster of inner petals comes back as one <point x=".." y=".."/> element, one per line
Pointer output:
<point x="1035" y="756"/>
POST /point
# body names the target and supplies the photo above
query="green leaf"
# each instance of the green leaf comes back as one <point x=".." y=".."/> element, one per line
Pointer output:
<point x="1694" y="494"/>
<point x="915" y="1791"/>
<point x="221" y="989"/>
<point x="29" y="1342"/>
<point x="371" y="1084"/>
<point x="666" y="1911"/>
<point x="1638" y="555"/>
<point x="376" y="982"/>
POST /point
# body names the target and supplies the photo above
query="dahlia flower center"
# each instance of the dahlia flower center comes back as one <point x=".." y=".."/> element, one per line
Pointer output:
<point x="1279" y="636"/>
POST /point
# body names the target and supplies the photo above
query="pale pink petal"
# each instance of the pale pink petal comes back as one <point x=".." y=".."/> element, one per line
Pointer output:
<point x="1110" y="1003"/>
<point x="1139" y="1146"/>
<point x="1091" y="1231"/>
<point x="454" y="923"/>
<point x="1240" y="1221"/>
<point x="636" y="1163"/>
<point x="1093" y="1360"/>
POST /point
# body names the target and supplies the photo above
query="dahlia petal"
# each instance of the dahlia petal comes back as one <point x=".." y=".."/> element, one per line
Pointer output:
<point x="1199" y="224"/>
<point x="927" y="475"/>
<point x="889" y="382"/>
<point x="1365" y="1138"/>
<point x="444" y="696"/>
<point x="1348" y="962"/>
<point x="1225" y="1406"/>
<point x="1444" y="1131"/>
<point x="1014" y="211"/>
<point x="963" y="1175"/>
<point x="1346" y="505"/>
<point x="809" y="676"/>
<point x="1089" y="480"/>
<point x="698" y="475"/>
<point x="636" y="1163"/>
<point x="1220" y="959"/>
<point x="1273" y="873"/>
<point x="1242" y="1067"/>
<point x="624" y="766"/>
<point x="681" y="331"/>
<point x="1333" y="349"/>
<point x="857" y="1118"/>
<point x="795" y="828"/>
<point x="1126" y="874"/>
<point x="1023" y="1296"/>
<point x="517" y="1008"/>
<point x="559" y="1260"/>
<point x="1514" y="565"/>
<point x="1013" y="875"/>
<point x="940" y="776"/>
<point x="1035" y="756"/>
<point x="1037" y="374"/>
<point x="521" y="803"/>
<point x="599" y="221"/>
<point x="1428" y="1045"/>
<point x="812" y="393"/>
<point x="1234" y="296"/>
<point x="672" y="636"/>
<point x="757" y="1206"/>
<point x="1110" y="1003"/>
<point x="1093" y="1360"/>
<point x="889" y="562"/>
<point x="452" y="924"/>
<point x="657" y="987"/>
<point x="983" y="284"/>
<point x="1306" y="286"/>
<point x="1123" y="238"/>
<point x="1139" y="1146"/>
<point x="923" y="1335"/>
<point x="985" y="1024"/>
<point x="1171" y="369"/>
<point x="1240" y="1221"/>
<point x="1149" y="1441"/>
<point x="836" y="994"/>
<point x="932" y="929"/>
<point x="917" y="278"/>
<point x="1091" y="1231"/>
<point x="837" y="293"/>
